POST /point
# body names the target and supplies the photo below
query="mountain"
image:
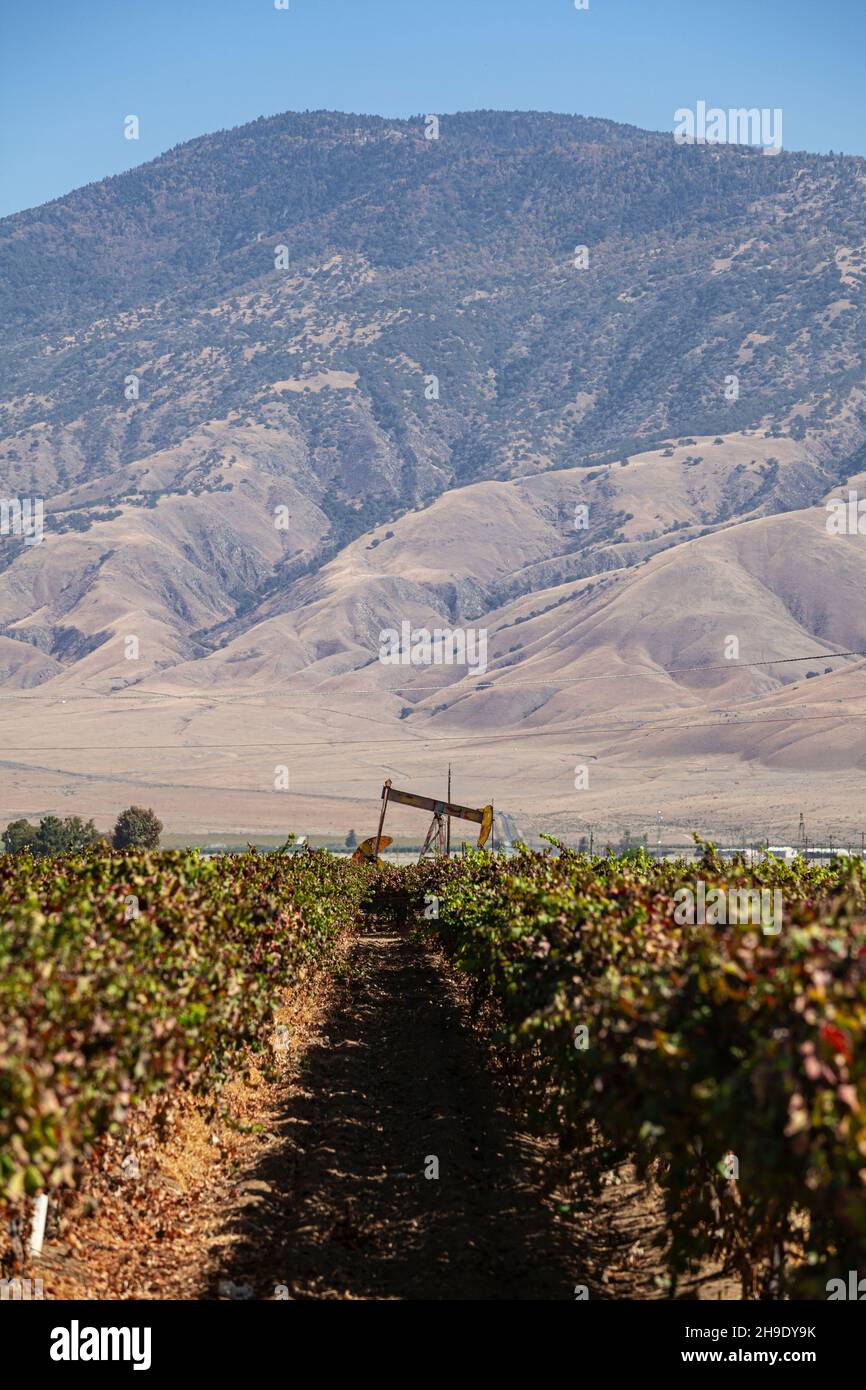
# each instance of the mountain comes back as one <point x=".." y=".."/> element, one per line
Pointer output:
<point x="292" y="384"/>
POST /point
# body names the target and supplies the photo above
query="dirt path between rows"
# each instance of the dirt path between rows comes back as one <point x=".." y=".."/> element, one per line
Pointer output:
<point x="341" y="1206"/>
<point x="312" y="1184"/>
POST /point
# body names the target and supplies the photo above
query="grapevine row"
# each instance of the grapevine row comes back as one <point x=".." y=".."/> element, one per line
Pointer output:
<point x="728" y="1063"/>
<point x="122" y="975"/>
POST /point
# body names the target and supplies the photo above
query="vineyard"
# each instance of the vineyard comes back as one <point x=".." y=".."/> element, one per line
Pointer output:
<point x="126" y="975"/>
<point x="724" y="1062"/>
<point x="730" y="1064"/>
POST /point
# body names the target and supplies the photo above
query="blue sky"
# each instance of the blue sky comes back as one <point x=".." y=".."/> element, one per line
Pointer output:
<point x="71" y="70"/>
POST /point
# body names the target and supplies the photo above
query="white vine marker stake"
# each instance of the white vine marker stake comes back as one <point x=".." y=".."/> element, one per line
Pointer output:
<point x="37" y="1229"/>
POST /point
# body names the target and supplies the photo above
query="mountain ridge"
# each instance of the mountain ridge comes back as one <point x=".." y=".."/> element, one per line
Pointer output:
<point x="306" y="390"/>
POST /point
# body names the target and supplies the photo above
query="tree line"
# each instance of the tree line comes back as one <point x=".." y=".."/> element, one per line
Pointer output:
<point x="138" y="827"/>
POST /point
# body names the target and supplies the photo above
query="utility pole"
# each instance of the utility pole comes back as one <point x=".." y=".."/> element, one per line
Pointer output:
<point x="448" y="820"/>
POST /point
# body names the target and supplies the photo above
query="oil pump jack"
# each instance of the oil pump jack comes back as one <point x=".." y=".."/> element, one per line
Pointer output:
<point x="438" y="835"/>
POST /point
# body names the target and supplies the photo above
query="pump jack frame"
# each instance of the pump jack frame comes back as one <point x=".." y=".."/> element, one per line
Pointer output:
<point x="437" y="839"/>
